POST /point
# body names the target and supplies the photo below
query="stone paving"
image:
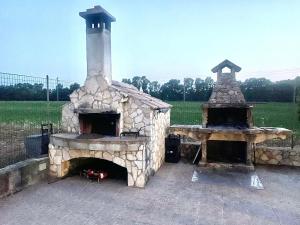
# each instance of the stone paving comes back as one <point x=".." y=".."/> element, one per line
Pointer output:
<point x="169" y="198"/>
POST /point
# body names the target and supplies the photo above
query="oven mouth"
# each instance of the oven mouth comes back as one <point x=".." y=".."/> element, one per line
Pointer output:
<point x="96" y="125"/>
<point x="227" y="117"/>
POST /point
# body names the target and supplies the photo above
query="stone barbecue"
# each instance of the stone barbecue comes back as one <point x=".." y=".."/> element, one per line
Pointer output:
<point x="227" y="134"/>
<point x="109" y="120"/>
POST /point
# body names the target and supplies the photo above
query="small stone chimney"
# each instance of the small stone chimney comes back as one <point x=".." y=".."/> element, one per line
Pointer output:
<point x="98" y="45"/>
<point x="227" y="89"/>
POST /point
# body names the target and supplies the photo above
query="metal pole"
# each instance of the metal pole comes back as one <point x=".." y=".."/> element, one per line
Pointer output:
<point x="57" y="91"/>
<point x="47" y="82"/>
<point x="48" y="99"/>
<point x="184" y="89"/>
<point x="294" y="94"/>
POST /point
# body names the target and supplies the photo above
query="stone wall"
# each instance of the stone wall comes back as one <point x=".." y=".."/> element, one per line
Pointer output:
<point x="277" y="156"/>
<point x="16" y="177"/>
<point x="159" y="131"/>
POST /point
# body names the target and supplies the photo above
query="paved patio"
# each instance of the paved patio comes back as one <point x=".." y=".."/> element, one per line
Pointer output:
<point x="169" y="198"/>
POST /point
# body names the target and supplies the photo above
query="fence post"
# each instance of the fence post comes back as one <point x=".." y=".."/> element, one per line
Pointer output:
<point x="184" y="89"/>
<point x="57" y="91"/>
<point x="47" y="83"/>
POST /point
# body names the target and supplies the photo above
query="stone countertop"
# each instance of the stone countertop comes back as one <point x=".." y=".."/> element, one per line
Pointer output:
<point x="105" y="143"/>
<point x="72" y="136"/>
<point x="217" y="129"/>
<point x="255" y="134"/>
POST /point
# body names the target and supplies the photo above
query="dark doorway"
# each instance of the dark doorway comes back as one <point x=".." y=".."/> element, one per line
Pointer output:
<point x="228" y="117"/>
<point x="227" y="151"/>
<point x="100" y="123"/>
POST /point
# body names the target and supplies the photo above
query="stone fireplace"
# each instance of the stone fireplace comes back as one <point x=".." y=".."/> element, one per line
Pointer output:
<point x="227" y="135"/>
<point x="109" y="120"/>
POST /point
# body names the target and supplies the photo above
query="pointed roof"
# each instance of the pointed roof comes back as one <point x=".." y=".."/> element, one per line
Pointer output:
<point x="226" y="63"/>
<point x="97" y="12"/>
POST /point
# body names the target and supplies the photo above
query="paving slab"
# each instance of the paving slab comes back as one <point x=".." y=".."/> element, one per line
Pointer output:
<point x="170" y="197"/>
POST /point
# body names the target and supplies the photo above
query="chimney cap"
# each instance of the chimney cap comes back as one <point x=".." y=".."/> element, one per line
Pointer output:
<point x="226" y="63"/>
<point x="97" y="12"/>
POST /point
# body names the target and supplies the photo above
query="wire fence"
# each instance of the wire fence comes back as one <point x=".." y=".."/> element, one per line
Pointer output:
<point x="27" y="102"/>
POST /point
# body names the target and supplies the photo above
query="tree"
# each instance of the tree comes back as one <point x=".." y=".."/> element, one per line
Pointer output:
<point x="127" y="81"/>
<point x="154" y="89"/>
<point x="189" y="89"/>
<point x="172" y="90"/>
<point x="257" y="89"/>
<point x="145" y="84"/>
<point x="137" y="82"/>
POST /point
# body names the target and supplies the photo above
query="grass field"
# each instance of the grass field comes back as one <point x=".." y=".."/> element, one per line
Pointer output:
<point x="269" y="114"/>
<point x="29" y="111"/>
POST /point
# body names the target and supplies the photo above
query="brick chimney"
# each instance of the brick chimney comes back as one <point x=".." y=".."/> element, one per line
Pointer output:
<point x="98" y="45"/>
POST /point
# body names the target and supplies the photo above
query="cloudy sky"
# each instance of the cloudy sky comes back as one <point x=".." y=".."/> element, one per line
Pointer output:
<point x="161" y="39"/>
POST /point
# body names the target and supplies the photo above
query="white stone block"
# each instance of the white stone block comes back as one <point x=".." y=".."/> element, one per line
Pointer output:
<point x="57" y="159"/>
<point x="139" y="155"/>
<point x="119" y="161"/>
<point x="139" y="118"/>
<point x="98" y="154"/>
<point x="65" y="155"/>
<point x="107" y="156"/>
<point x="133" y="147"/>
<point x="130" y="180"/>
<point x="139" y="164"/>
<point x="115" y="147"/>
<point x="141" y="181"/>
<point x="95" y="146"/>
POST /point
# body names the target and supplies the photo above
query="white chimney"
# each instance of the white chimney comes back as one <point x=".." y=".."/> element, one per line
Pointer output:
<point x="98" y="44"/>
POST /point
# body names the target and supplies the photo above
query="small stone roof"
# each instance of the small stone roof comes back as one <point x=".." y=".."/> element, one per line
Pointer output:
<point x="147" y="99"/>
<point x="226" y="63"/>
<point x="97" y="11"/>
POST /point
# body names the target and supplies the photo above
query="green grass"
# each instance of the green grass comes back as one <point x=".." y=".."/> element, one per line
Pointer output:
<point x="29" y="112"/>
<point x="269" y="114"/>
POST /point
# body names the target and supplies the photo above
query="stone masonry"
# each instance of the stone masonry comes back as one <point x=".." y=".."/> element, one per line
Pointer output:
<point x="277" y="156"/>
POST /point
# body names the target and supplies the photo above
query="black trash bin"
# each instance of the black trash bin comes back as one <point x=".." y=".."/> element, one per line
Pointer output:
<point x="172" y="149"/>
<point x="37" y="144"/>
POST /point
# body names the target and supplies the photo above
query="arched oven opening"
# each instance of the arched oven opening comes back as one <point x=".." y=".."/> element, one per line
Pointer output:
<point x="97" y="169"/>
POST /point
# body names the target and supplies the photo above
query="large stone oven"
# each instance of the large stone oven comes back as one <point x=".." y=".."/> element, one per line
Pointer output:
<point x="107" y="119"/>
<point x="227" y="135"/>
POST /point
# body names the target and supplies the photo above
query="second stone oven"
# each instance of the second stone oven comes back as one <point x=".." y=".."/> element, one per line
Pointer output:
<point x="227" y="134"/>
<point x="109" y="120"/>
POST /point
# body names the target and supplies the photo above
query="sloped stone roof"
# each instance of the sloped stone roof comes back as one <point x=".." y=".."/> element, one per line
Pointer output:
<point x="226" y="63"/>
<point x="147" y="99"/>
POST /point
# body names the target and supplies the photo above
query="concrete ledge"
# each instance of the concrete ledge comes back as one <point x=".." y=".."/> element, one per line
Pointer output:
<point x="15" y="177"/>
<point x="228" y="166"/>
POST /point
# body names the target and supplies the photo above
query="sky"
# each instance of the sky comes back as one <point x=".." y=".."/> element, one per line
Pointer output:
<point x="160" y="39"/>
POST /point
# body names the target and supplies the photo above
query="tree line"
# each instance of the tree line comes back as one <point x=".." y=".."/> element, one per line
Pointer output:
<point x="254" y="89"/>
<point x="35" y="92"/>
